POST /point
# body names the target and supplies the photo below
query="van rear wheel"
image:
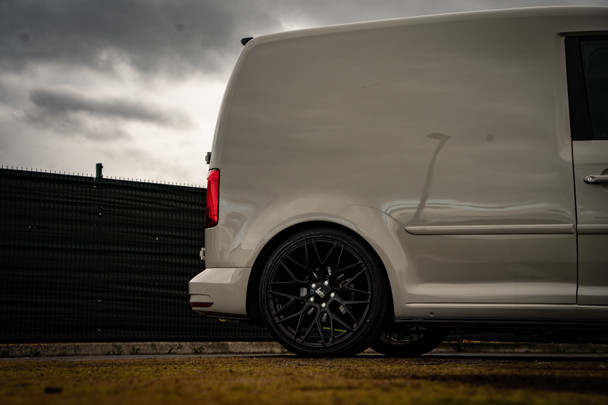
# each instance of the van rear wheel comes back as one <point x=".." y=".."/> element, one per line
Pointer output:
<point x="323" y="293"/>
<point x="410" y="342"/>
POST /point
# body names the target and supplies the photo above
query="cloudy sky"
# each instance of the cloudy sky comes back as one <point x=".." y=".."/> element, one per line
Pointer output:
<point x="137" y="84"/>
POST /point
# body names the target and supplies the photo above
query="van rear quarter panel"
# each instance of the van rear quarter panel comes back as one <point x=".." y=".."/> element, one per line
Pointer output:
<point x="432" y="123"/>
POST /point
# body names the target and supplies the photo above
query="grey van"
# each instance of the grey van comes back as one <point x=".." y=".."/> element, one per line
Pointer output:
<point x="380" y="184"/>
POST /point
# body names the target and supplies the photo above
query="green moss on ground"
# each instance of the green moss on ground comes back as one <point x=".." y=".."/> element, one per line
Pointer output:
<point x="291" y="380"/>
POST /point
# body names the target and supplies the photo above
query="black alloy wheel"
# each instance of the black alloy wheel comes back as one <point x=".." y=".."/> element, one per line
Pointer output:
<point x="410" y="342"/>
<point x="322" y="293"/>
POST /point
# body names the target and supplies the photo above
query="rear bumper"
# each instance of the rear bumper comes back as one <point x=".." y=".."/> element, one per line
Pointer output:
<point x="220" y="292"/>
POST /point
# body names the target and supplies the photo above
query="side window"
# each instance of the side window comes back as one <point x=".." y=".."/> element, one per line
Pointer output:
<point x="587" y="63"/>
<point x="595" y="67"/>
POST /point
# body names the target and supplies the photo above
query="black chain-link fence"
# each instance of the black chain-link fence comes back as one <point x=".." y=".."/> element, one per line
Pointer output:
<point x="94" y="259"/>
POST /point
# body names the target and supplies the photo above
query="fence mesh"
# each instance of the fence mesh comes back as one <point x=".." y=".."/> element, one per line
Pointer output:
<point x="94" y="259"/>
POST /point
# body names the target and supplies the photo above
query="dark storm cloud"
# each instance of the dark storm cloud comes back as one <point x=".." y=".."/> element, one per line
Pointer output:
<point x="61" y="102"/>
<point x="68" y="112"/>
<point x="171" y="37"/>
<point x="74" y="125"/>
<point x="177" y="37"/>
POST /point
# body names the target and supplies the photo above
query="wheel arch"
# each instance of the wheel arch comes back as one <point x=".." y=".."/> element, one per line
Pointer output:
<point x="253" y="310"/>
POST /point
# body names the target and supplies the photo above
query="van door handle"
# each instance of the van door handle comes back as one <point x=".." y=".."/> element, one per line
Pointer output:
<point x="596" y="179"/>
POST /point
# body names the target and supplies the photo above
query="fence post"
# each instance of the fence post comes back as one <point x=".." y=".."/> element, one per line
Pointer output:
<point x="98" y="171"/>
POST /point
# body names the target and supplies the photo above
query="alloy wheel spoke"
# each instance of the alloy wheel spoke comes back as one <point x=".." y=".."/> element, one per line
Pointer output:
<point x="320" y="329"/>
<point x="339" y="256"/>
<point x="327" y="256"/>
<point x="285" y="307"/>
<point x="356" y="302"/>
<point x="312" y="324"/>
<point x="286" y="283"/>
<point x="355" y="290"/>
<point x="347" y="311"/>
<point x="316" y="250"/>
<point x="294" y="262"/>
<point x="350" y="266"/>
<point x="337" y="319"/>
<point x="285" y="295"/>
<point x="302" y="312"/>
<point x="332" y="330"/>
<point x="289" y="272"/>
<point x="308" y="261"/>
<point x="355" y="276"/>
<point x="287" y="318"/>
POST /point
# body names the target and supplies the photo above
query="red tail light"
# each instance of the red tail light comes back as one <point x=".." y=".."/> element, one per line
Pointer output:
<point x="213" y="198"/>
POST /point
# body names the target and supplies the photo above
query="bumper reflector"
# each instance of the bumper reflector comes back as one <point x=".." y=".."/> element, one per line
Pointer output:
<point x="201" y="304"/>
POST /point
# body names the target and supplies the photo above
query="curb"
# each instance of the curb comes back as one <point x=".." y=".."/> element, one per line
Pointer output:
<point x="136" y="348"/>
<point x="29" y="350"/>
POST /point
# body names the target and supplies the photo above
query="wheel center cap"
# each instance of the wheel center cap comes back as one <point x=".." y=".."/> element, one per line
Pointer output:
<point x="322" y="291"/>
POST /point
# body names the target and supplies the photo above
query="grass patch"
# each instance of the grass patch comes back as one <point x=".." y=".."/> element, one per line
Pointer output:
<point x="291" y="380"/>
<point x="198" y="349"/>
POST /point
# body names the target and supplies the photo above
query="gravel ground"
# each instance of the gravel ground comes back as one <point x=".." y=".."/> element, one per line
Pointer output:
<point x="285" y="379"/>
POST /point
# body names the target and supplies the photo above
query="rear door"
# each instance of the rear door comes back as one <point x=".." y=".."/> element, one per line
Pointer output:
<point x="587" y="59"/>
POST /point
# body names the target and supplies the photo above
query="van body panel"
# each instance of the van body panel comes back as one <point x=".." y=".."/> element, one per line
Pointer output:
<point x="591" y="158"/>
<point x="224" y="288"/>
<point x="492" y="269"/>
<point x="444" y="142"/>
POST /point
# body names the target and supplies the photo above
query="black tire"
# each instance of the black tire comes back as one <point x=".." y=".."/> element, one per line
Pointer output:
<point x="324" y="294"/>
<point x="410" y="342"/>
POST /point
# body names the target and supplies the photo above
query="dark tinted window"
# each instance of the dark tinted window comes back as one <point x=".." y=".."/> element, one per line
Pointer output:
<point x="595" y="67"/>
<point x="587" y="63"/>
